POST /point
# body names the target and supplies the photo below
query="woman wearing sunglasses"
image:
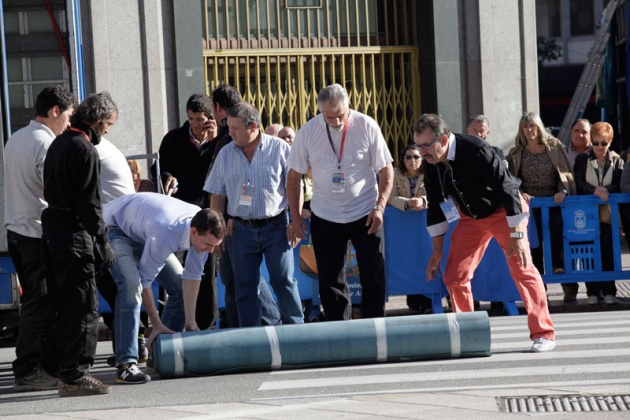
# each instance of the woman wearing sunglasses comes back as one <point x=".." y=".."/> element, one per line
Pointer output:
<point x="598" y="172"/>
<point x="408" y="194"/>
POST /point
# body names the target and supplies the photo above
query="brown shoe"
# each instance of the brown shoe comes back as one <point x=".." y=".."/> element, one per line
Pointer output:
<point x="88" y="385"/>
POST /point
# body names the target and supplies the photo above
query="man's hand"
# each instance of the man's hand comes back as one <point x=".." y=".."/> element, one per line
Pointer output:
<point x="517" y="246"/>
<point x="155" y="331"/>
<point x="374" y="220"/>
<point x="191" y="325"/>
<point x="296" y="231"/>
<point x="108" y="255"/>
<point x="170" y="186"/>
<point x="433" y="266"/>
<point x="211" y="128"/>
<point x="558" y="197"/>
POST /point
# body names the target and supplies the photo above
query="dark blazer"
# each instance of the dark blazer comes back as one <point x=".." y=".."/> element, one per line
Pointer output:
<point x="480" y="183"/>
<point x="180" y="158"/>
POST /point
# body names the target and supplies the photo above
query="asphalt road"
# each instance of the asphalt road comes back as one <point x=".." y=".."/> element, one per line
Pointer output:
<point x="592" y="358"/>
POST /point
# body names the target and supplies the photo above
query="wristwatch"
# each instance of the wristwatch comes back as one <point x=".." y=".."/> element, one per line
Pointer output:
<point x="377" y="207"/>
<point x="517" y="235"/>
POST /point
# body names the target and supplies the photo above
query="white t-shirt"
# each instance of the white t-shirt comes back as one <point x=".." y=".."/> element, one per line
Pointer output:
<point x="24" y="156"/>
<point x="116" y="179"/>
<point x="364" y="153"/>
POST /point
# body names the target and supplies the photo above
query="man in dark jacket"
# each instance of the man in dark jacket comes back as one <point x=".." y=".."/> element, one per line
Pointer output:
<point x="185" y="156"/>
<point x="467" y="182"/>
<point x="72" y="225"/>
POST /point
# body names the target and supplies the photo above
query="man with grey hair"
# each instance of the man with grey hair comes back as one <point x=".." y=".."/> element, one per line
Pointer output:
<point x="72" y="225"/>
<point x="345" y="150"/>
<point x="467" y="182"/>
<point x="479" y="126"/>
<point x="251" y="174"/>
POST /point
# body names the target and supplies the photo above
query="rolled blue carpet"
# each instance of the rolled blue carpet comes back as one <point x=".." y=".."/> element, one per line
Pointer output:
<point x="376" y="340"/>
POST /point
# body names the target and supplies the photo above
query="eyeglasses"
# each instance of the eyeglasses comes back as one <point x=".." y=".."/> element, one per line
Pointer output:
<point x="428" y="145"/>
<point x="603" y="144"/>
<point x="414" y="157"/>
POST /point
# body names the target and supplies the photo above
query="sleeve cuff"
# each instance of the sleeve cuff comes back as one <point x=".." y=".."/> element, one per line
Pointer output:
<point x="517" y="219"/>
<point x="437" y="230"/>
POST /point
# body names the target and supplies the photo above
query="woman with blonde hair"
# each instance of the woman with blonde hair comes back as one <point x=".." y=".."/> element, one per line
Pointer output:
<point x="542" y="164"/>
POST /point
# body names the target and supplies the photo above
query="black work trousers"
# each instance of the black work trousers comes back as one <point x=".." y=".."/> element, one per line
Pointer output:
<point x="330" y="242"/>
<point x="69" y="255"/>
<point x="35" y="344"/>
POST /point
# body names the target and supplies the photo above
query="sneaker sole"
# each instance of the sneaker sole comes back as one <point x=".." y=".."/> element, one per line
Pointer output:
<point x="543" y="350"/>
<point x="144" y="381"/>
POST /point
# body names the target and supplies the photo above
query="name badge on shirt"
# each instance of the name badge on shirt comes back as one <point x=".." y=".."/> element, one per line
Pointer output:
<point x="247" y="194"/>
<point x="450" y="210"/>
<point x="338" y="182"/>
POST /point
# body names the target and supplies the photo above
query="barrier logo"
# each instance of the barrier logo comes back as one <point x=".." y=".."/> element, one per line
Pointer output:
<point x="579" y="218"/>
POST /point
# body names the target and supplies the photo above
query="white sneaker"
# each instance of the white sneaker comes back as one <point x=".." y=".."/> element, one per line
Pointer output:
<point x="543" y="344"/>
<point x="610" y="299"/>
<point x="593" y="300"/>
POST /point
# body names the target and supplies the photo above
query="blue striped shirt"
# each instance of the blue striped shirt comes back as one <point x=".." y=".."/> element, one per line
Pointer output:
<point x="162" y="224"/>
<point x="266" y="176"/>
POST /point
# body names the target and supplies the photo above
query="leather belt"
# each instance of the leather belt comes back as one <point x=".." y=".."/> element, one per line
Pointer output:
<point x="259" y="222"/>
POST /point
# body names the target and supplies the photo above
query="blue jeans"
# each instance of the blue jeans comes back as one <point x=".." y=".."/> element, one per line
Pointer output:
<point x="129" y="297"/>
<point x="249" y="244"/>
<point x="270" y="311"/>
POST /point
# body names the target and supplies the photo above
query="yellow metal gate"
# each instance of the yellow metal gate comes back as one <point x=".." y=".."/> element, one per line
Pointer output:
<point x="280" y="68"/>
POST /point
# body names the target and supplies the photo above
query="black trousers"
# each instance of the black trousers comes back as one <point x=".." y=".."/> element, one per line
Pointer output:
<point x="70" y="262"/>
<point x="35" y="344"/>
<point x="594" y="288"/>
<point x="330" y="241"/>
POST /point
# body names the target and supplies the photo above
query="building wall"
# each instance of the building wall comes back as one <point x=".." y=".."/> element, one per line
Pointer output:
<point x="480" y="59"/>
<point x="129" y="53"/>
<point x="476" y="57"/>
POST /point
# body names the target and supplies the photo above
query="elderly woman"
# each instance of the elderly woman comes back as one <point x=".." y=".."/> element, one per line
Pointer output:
<point x="408" y="194"/>
<point x="542" y="164"/>
<point x="598" y="172"/>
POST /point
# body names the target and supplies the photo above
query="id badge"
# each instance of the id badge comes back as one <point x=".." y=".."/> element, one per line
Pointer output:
<point x="450" y="210"/>
<point x="247" y="193"/>
<point x="339" y="182"/>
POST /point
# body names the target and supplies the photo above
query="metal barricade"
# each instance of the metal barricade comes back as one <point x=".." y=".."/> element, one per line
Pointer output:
<point x="581" y="238"/>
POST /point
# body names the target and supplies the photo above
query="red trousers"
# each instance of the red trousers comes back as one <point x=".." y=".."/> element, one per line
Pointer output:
<point x="468" y="243"/>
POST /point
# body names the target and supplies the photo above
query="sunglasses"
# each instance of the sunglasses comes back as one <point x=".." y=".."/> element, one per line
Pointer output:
<point x="603" y="144"/>
<point x="414" y="157"/>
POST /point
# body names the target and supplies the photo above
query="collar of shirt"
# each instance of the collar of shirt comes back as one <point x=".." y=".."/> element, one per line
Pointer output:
<point x="450" y="155"/>
<point x="185" y="241"/>
<point x="193" y="138"/>
<point x="42" y="126"/>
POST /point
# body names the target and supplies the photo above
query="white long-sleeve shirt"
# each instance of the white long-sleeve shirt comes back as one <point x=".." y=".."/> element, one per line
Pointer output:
<point x="24" y="156"/>
<point x="162" y="224"/>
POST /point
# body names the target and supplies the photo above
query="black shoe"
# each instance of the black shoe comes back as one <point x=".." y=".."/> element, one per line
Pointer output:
<point x="129" y="373"/>
<point x="111" y="361"/>
<point x="88" y="385"/>
<point x="37" y="380"/>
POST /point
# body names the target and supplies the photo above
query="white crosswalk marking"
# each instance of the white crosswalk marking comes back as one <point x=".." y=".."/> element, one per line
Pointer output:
<point x="593" y="349"/>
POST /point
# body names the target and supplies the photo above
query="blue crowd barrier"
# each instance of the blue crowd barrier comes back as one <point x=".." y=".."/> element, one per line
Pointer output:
<point x="408" y="247"/>
<point x="581" y="240"/>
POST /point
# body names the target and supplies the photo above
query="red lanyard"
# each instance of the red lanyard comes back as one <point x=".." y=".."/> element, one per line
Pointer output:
<point x="81" y="131"/>
<point x="343" y="140"/>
